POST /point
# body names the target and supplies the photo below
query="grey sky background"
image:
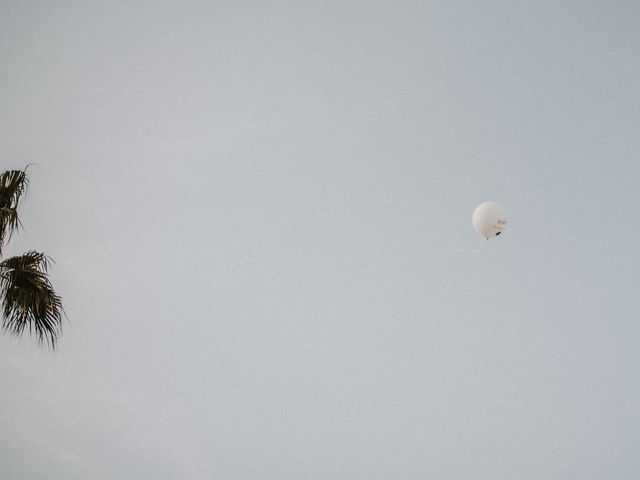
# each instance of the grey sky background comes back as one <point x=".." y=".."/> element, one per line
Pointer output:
<point x="261" y="218"/>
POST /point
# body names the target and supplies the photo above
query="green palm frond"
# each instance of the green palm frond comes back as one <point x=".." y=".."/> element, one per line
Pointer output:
<point x="9" y="223"/>
<point x="13" y="184"/>
<point x="28" y="299"/>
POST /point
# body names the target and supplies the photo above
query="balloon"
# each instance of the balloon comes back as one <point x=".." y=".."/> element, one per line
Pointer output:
<point x="489" y="219"/>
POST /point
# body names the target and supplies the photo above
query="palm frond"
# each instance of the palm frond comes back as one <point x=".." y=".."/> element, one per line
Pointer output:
<point x="9" y="223"/>
<point x="28" y="299"/>
<point x="13" y="183"/>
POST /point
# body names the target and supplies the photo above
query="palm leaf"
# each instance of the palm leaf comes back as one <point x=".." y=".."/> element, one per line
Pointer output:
<point x="13" y="183"/>
<point x="28" y="299"/>
<point x="9" y="223"/>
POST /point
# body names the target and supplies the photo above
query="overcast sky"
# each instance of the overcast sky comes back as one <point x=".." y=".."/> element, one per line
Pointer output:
<point x="261" y="218"/>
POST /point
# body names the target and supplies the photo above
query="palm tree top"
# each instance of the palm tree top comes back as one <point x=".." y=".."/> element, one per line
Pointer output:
<point x="27" y="296"/>
<point x="13" y="183"/>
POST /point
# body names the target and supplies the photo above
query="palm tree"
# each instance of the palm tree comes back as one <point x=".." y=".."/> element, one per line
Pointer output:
<point x="26" y="296"/>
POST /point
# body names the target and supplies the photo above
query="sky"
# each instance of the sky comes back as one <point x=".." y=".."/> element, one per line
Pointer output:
<point x="260" y="214"/>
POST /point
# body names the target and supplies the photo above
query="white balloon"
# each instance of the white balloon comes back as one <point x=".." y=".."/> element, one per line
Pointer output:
<point x="489" y="219"/>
